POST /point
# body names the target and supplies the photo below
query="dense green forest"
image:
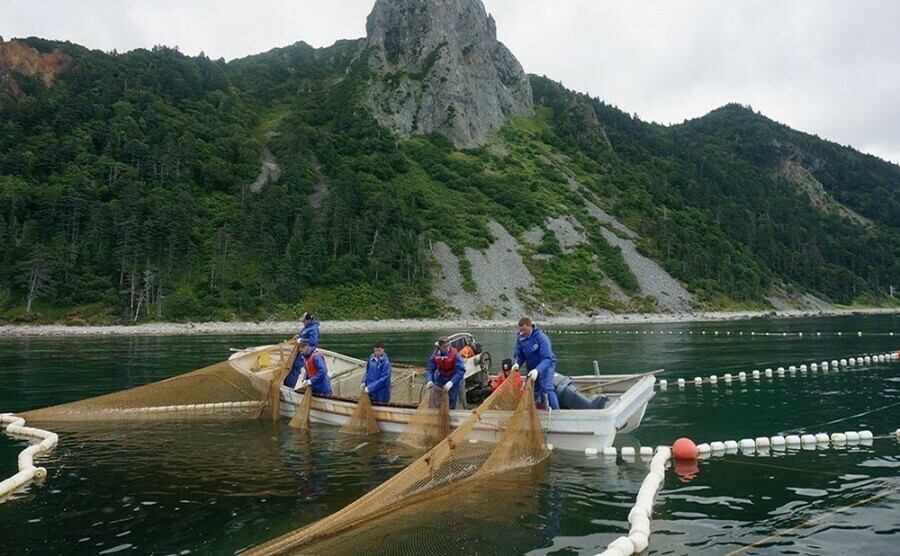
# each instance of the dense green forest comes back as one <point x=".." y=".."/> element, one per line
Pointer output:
<point x="125" y="196"/>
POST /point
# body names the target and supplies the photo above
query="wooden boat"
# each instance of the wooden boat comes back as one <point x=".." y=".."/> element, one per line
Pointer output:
<point x="566" y="429"/>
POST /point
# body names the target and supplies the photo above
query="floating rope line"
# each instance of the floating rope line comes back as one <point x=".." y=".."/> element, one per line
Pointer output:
<point x="836" y="364"/>
<point x="27" y="470"/>
<point x="812" y="522"/>
<point x="863" y="414"/>
<point x="639" y="516"/>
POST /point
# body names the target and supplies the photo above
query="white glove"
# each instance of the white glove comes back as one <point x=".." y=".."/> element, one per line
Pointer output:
<point x="448" y="386"/>
<point x="429" y="385"/>
<point x="532" y="375"/>
<point x="307" y="382"/>
<point x="515" y="367"/>
<point x="362" y="387"/>
<point x="366" y="389"/>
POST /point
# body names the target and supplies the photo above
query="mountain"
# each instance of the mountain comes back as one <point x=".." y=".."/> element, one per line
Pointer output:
<point x="416" y="172"/>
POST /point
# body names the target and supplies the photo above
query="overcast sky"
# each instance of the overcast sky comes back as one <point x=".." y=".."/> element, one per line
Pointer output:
<point x="828" y="67"/>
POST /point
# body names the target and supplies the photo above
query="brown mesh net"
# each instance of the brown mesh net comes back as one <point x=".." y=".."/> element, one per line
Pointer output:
<point x="214" y="391"/>
<point x="362" y="420"/>
<point x="430" y="423"/>
<point x="506" y="416"/>
<point x="300" y="420"/>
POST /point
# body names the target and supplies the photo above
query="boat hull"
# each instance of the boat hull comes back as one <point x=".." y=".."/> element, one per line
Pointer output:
<point x="567" y="429"/>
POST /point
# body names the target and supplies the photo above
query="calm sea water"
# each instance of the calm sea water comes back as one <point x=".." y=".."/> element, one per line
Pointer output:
<point x="221" y="487"/>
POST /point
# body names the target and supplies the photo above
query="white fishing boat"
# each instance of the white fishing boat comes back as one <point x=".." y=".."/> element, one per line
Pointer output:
<point x="596" y="408"/>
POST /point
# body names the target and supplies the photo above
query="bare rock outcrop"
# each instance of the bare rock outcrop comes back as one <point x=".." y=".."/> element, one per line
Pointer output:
<point x="16" y="56"/>
<point x="438" y="67"/>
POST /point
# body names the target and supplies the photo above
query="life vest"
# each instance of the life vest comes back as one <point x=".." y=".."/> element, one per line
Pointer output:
<point x="311" y="369"/>
<point x="445" y="363"/>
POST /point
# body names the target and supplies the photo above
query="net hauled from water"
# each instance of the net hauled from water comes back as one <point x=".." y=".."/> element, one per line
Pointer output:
<point x="215" y="391"/>
<point x="515" y="441"/>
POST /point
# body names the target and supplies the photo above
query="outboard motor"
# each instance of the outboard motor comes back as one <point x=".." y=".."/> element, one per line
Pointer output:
<point x="570" y="398"/>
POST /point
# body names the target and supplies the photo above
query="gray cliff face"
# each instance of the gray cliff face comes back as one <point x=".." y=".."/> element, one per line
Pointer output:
<point x="438" y="67"/>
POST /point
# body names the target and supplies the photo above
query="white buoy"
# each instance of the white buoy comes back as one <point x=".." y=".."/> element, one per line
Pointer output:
<point x="852" y="361"/>
<point x="717" y="446"/>
<point x="834" y="363"/>
<point x="681" y="382"/>
<point x="769" y="373"/>
<point x="762" y="442"/>
<point x="792" y="440"/>
<point x="591" y="452"/>
<point x="867" y="435"/>
<point x="824" y="365"/>
<point x="698" y="380"/>
<point x="803" y="368"/>
<point x="756" y="373"/>
<point x="747" y="444"/>
<point x="639" y="540"/>
<point x="813" y="367"/>
<point x="663" y="384"/>
<point x="703" y="449"/>
<point x="780" y="371"/>
<point x="838" y="438"/>
<point x="646" y="451"/>
<point x="622" y="546"/>
<point x="822" y="438"/>
<point x="713" y="379"/>
<point x="731" y="446"/>
<point x="867" y="359"/>
<point x="742" y="376"/>
<point x="843" y="362"/>
<point x="792" y="369"/>
<point x="852" y="437"/>
<point x="808" y="439"/>
<point x="727" y="377"/>
<point x="778" y="443"/>
<point x="627" y="451"/>
<point x="610" y="451"/>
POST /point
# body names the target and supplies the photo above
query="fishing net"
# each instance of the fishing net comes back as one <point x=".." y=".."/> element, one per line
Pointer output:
<point x="362" y="420"/>
<point x="300" y="420"/>
<point x="219" y="390"/>
<point x="430" y="423"/>
<point x="505" y="424"/>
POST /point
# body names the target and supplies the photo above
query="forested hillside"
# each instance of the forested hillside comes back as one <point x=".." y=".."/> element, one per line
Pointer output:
<point x="125" y="196"/>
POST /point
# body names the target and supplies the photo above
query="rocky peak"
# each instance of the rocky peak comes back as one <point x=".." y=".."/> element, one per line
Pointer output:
<point x="439" y="68"/>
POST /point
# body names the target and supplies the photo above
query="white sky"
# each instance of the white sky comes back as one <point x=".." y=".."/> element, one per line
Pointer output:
<point x="827" y="67"/>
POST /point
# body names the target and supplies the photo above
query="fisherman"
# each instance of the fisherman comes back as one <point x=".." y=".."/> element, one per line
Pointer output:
<point x="445" y="369"/>
<point x="314" y="368"/>
<point x="377" y="380"/>
<point x="533" y="347"/>
<point x="310" y="330"/>
<point x="505" y="373"/>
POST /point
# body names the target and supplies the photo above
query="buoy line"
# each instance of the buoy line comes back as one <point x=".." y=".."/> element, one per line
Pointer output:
<point x="684" y="449"/>
<point x="27" y="470"/>
<point x="843" y="363"/>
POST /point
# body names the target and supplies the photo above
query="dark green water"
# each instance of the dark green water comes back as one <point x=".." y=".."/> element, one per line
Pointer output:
<point x="218" y="488"/>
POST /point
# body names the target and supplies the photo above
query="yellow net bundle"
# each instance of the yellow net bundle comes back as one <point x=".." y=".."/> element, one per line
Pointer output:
<point x="430" y="423"/>
<point x="218" y="390"/>
<point x="502" y="434"/>
<point x="362" y="421"/>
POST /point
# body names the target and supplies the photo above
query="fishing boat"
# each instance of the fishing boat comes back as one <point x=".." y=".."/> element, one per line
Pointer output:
<point x="595" y="407"/>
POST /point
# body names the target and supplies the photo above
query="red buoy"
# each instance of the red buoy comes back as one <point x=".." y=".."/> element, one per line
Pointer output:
<point x="684" y="448"/>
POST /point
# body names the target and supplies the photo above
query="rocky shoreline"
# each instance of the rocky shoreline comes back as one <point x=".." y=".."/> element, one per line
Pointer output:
<point x="411" y="325"/>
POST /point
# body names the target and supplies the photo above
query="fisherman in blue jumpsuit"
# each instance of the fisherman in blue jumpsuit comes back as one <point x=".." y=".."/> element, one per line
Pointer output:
<point x="445" y="369"/>
<point x="533" y="348"/>
<point x="377" y="381"/>
<point x="310" y="330"/>
<point x="316" y="371"/>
